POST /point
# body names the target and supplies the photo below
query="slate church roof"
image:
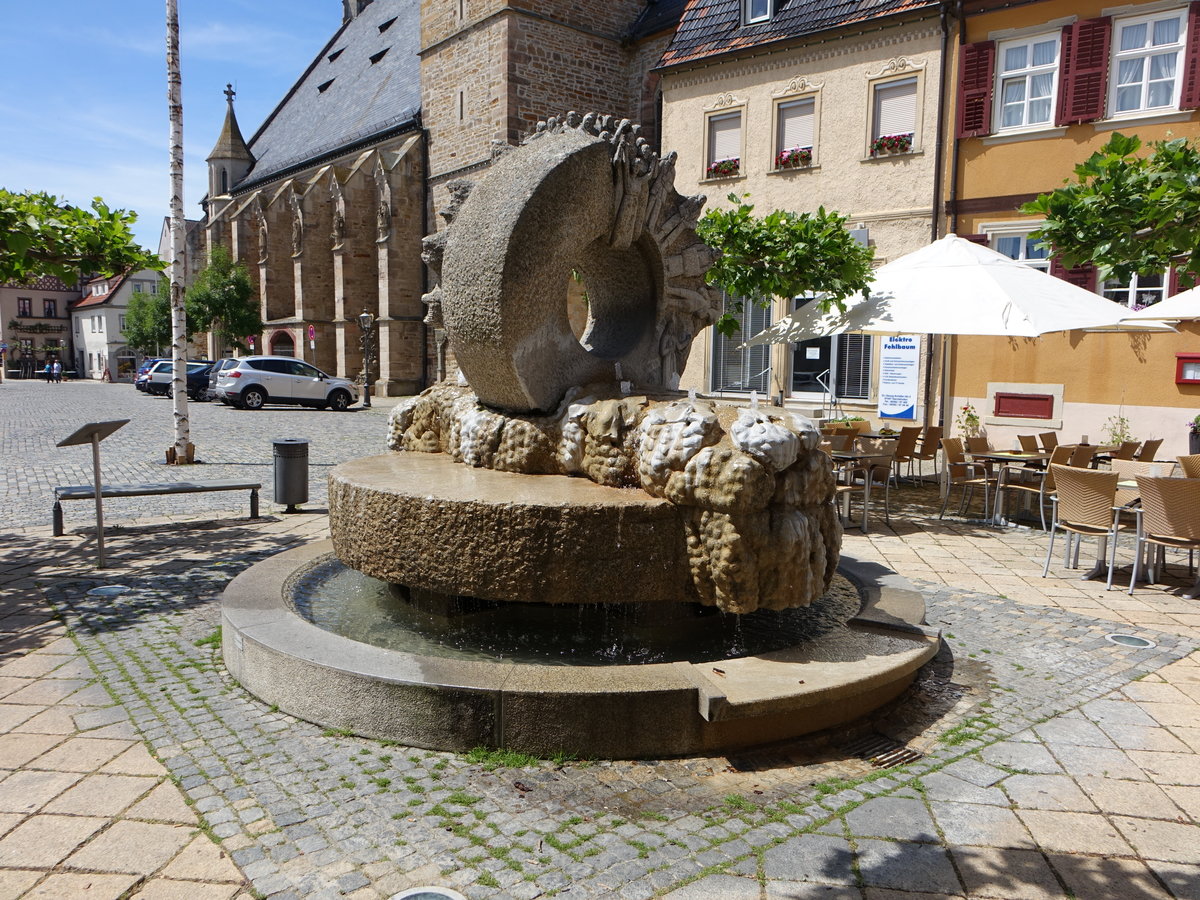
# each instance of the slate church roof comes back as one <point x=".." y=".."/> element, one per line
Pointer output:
<point x="714" y="27"/>
<point x="363" y="85"/>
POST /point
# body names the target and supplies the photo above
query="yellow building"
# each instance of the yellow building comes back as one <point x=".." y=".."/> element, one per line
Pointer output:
<point x="1041" y="87"/>
<point x="804" y="105"/>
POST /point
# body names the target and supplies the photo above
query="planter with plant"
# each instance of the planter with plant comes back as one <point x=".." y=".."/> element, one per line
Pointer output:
<point x="795" y="158"/>
<point x="967" y="421"/>
<point x="725" y="168"/>
<point x="892" y="144"/>
<point x="1194" y="435"/>
<point x="1117" y="430"/>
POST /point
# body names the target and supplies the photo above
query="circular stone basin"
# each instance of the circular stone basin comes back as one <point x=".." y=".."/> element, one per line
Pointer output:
<point x="623" y="710"/>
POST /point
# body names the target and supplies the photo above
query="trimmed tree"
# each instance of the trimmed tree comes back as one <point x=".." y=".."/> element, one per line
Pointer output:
<point x="220" y="301"/>
<point x="148" y="323"/>
<point x="782" y="254"/>
<point x="40" y="236"/>
<point x="1128" y="212"/>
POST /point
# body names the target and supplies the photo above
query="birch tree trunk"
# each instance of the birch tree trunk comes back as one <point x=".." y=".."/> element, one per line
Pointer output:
<point x="178" y="320"/>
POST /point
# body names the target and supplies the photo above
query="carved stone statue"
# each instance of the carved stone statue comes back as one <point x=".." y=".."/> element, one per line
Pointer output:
<point x="338" y="235"/>
<point x="297" y="207"/>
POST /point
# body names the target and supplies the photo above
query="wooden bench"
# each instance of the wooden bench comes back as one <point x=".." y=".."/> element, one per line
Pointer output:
<point x="88" y="492"/>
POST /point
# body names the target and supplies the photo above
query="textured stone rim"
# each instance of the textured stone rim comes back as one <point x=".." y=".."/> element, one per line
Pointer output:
<point x="647" y="711"/>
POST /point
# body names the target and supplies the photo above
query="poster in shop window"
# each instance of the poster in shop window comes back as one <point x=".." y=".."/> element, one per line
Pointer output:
<point x="898" y="366"/>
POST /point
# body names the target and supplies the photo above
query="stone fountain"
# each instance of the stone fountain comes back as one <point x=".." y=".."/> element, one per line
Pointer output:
<point x="563" y="473"/>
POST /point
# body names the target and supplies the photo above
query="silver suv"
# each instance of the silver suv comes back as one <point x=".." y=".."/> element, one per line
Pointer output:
<point x="257" y="380"/>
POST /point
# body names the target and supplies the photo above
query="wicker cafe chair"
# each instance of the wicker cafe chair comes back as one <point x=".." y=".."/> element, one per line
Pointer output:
<point x="1149" y="449"/>
<point x="982" y="445"/>
<point x="1032" y="482"/>
<point x="929" y="449"/>
<point x="1029" y="443"/>
<point x="1190" y="465"/>
<point x="1125" y="451"/>
<point x="866" y="473"/>
<point x="1170" y="517"/>
<point x="906" y="447"/>
<point x="967" y="475"/>
<point x="1049" y="440"/>
<point x="1082" y="456"/>
<point x="1083" y="506"/>
<point x="1129" y="470"/>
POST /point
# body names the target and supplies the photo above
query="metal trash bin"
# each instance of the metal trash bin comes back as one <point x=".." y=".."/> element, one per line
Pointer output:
<point x="291" y="472"/>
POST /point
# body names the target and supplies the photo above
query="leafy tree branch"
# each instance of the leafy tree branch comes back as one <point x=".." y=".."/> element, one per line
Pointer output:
<point x="782" y="254"/>
<point x="40" y="236"/>
<point x="1128" y="212"/>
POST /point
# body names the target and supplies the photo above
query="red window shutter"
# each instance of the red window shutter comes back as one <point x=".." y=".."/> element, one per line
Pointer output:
<point x="1082" y="276"/>
<point x="976" y="238"/>
<point x="1189" y="97"/>
<point x="976" y="65"/>
<point x="1172" y="282"/>
<point x="1083" y="75"/>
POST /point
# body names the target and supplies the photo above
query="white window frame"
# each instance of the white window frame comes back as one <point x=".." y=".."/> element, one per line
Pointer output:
<point x="777" y="137"/>
<point x="1021" y="230"/>
<point x="1131" y="289"/>
<point x="748" y="17"/>
<point x="1145" y="53"/>
<point x="1027" y="73"/>
<point x="709" y="118"/>
<point x="137" y="287"/>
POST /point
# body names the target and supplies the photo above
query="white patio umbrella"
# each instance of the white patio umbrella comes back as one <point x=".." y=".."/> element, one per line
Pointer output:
<point x="953" y="286"/>
<point x="1182" y="307"/>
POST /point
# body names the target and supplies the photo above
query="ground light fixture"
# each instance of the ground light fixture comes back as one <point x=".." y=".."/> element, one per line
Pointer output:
<point x="1130" y="640"/>
<point x="366" y="322"/>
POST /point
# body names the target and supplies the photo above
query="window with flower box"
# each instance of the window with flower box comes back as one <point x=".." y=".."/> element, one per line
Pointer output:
<point x="724" y="145"/>
<point x="1139" y="292"/>
<point x="893" y="116"/>
<point x="795" y="131"/>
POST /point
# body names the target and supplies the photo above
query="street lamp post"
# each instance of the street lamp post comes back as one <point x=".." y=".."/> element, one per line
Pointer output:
<point x="366" y="322"/>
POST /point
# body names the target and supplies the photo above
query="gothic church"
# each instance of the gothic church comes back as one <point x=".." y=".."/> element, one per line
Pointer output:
<point x="327" y="202"/>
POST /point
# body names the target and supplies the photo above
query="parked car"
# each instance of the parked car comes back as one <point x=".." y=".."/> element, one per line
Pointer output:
<point x="258" y="380"/>
<point x="142" y="378"/>
<point x="214" y="373"/>
<point x="158" y="379"/>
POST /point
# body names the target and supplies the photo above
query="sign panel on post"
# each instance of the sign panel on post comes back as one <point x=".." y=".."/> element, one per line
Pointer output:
<point x="312" y="338"/>
<point x="899" y="364"/>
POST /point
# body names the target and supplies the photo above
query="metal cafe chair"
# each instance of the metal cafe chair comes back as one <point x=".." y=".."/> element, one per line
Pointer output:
<point x="1032" y="482"/>
<point x="967" y="475"/>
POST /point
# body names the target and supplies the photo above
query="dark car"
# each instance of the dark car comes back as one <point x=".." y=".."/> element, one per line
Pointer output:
<point x="158" y="379"/>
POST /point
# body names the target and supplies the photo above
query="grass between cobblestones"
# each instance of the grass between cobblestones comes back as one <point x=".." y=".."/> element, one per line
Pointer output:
<point x="296" y="804"/>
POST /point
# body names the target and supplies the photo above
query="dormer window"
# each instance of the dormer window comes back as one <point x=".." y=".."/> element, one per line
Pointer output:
<point x="757" y="10"/>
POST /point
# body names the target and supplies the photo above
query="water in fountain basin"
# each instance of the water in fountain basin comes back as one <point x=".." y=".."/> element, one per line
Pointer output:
<point x="356" y="606"/>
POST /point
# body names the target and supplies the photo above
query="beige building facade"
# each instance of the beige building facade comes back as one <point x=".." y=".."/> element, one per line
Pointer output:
<point x="837" y="119"/>
<point x="35" y="325"/>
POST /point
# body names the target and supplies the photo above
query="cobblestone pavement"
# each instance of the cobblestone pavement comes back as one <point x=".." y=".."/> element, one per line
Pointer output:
<point x="1052" y="762"/>
<point x="232" y="444"/>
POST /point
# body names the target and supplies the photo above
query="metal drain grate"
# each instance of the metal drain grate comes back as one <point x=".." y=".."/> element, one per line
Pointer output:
<point x="882" y="752"/>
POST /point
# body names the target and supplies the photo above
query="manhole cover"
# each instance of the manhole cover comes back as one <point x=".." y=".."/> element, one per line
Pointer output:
<point x="1130" y="640"/>
<point x="109" y="590"/>
<point x="428" y="893"/>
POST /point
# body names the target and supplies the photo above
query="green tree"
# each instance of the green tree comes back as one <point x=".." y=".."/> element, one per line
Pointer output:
<point x="782" y="254"/>
<point x="41" y="236"/>
<point x="1128" y="212"/>
<point x="220" y="301"/>
<point x="148" y="322"/>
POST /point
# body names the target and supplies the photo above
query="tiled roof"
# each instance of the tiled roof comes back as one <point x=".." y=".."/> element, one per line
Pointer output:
<point x="714" y="27"/>
<point x="45" y="283"/>
<point x="365" y="82"/>
<point x="659" y="15"/>
<point x="100" y="299"/>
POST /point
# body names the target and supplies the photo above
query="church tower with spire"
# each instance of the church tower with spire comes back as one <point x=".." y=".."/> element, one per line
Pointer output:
<point x="230" y="159"/>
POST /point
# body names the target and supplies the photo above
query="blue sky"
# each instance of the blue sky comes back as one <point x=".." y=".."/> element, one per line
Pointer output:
<point x="83" y="92"/>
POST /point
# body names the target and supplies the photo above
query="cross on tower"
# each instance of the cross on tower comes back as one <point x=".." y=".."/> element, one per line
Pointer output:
<point x="230" y="93"/>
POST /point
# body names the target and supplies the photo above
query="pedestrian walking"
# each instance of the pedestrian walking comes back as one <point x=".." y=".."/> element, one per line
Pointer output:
<point x="48" y="371"/>
<point x="57" y="372"/>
